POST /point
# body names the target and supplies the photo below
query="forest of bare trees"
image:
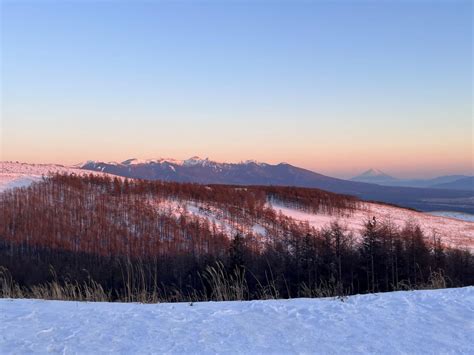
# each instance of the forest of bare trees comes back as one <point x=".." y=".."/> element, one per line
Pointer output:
<point x="109" y="231"/>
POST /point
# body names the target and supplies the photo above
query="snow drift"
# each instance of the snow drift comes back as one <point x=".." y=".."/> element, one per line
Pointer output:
<point x="436" y="321"/>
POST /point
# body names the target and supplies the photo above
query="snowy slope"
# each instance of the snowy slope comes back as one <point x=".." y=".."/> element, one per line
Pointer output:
<point x="14" y="174"/>
<point x="210" y="214"/>
<point x="416" y="322"/>
<point x="453" y="232"/>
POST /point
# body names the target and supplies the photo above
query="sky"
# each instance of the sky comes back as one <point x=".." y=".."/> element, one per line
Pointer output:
<point x="333" y="86"/>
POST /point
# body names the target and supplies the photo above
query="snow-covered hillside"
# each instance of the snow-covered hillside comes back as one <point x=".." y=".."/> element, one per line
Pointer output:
<point x="453" y="232"/>
<point x="15" y="174"/>
<point x="415" y="322"/>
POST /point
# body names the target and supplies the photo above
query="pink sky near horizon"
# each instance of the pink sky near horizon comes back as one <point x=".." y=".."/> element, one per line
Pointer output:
<point x="338" y="165"/>
<point x="339" y="146"/>
<point x="327" y="147"/>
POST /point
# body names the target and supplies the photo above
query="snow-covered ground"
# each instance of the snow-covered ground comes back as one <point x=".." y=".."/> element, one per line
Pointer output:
<point x="15" y="174"/>
<point x="453" y="232"/>
<point x="414" y="322"/>
<point x="210" y="213"/>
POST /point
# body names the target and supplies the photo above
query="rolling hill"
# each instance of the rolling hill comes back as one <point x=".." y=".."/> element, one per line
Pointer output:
<point x="17" y="174"/>
<point x="447" y="182"/>
<point x="466" y="183"/>
<point x="454" y="232"/>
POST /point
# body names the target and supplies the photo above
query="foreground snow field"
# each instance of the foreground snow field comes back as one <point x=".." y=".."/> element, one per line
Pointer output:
<point x="436" y="321"/>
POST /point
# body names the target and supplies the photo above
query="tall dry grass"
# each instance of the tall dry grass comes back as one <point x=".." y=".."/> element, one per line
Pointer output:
<point x="53" y="290"/>
<point x="218" y="284"/>
<point x="226" y="286"/>
<point x="436" y="280"/>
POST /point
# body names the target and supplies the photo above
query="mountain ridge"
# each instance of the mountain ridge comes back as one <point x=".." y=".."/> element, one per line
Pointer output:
<point x="206" y="171"/>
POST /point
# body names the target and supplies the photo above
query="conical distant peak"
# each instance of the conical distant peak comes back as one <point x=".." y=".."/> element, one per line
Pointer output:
<point x="374" y="172"/>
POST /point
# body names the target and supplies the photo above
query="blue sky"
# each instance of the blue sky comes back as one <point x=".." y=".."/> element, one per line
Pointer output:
<point x="333" y="86"/>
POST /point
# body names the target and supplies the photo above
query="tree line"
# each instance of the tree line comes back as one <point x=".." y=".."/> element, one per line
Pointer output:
<point x="108" y="230"/>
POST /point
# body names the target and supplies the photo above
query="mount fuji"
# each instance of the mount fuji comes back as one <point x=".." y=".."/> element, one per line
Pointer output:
<point x="374" y="176"/>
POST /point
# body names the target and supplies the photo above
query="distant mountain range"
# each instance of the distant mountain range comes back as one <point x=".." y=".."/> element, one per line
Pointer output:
<point x="451" y="182"/>
<point x="206" y="171"/>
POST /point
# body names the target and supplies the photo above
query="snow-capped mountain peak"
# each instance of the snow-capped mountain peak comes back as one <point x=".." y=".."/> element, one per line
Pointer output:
<point x="374" y="172"/>
<point x="256" y="162"/>
<point x="196" y="161"/>
<point x="151" y="161"/>
<point x="193" y="161"/>
<point x="373" y="175"/>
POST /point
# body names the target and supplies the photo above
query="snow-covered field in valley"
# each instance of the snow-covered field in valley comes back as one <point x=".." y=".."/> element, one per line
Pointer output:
<point x="415" y="322"/>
